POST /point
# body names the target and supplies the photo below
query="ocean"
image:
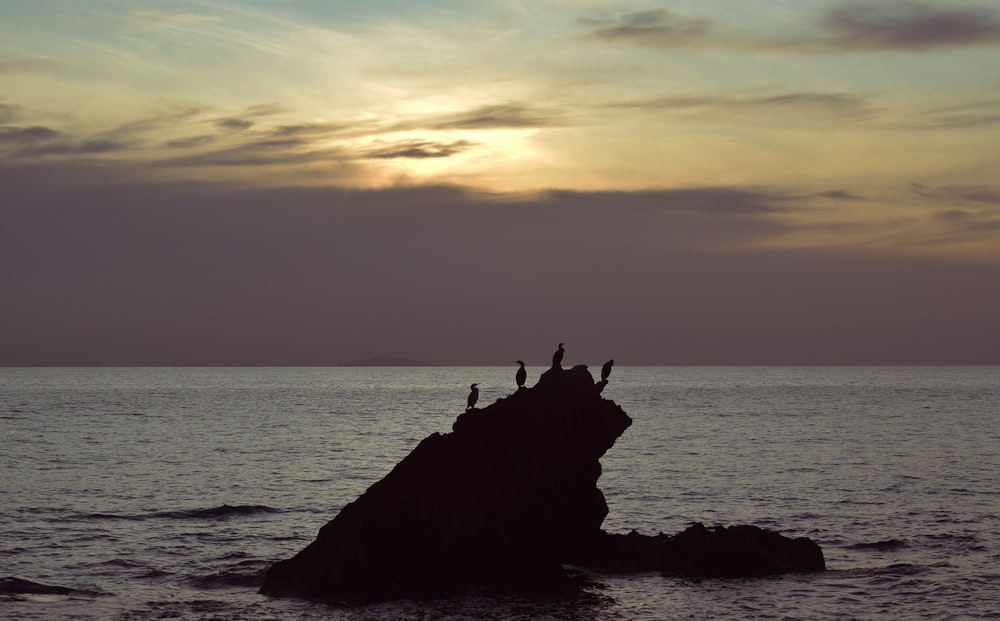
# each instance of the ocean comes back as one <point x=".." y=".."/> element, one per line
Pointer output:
<point x="165" y="493"/>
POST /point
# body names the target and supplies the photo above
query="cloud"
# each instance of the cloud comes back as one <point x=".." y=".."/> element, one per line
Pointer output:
<point x="493" y="116"/>
<point x="294" y="143"/>
<point x="975" y="222"/>
<point x="170" y="117"/>
<point x="706" y="202"/>
<point x="841" y="195"/>
<point x="846" y="27"/>
<point x="151" y="18"/>
<point x="417" y="149"/>
<point x="982" y="194"/>
<point x="26" y="135"/>
<point x="25" y="66"/>
<point x="265" y="109"/>
<point x="38" y="141"/>
<point x="971" y="214"/>
<point x="267" y="152"/>
<point x="445" y="273"/>
<point x="86" y="147"/>
<point x="781" y="108"/>
<point x="658" y="27"/>
<point x="972" y="115"/>
<point x="190" y="142"/>
<point x="899" y="25"/>
<point x="245" y="140"/>
<point x="234" y="124"/>
<point x="308" y="129"/>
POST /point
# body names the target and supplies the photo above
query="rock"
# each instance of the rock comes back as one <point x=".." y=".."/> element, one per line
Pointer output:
<point x="719" y="551"/>
<point x="19" y="586"/>
<point x="498" y="503"/>
<point x="502" y="502"/>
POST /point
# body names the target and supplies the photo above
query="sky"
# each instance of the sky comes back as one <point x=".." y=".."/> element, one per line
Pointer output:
<point x="299" y="182"/>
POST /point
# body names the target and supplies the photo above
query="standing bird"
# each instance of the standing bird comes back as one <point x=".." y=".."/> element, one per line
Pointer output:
<point x="606" y="370"/>
<point x="557" y="357"/>
<point x="521" y="375"/>
<point x="473" y="397"/>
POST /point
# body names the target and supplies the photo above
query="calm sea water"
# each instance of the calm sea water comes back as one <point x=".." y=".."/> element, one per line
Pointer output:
<point x="165" y="493"/>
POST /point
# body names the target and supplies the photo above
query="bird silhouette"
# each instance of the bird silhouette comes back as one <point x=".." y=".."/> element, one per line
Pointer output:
<point x="606" y="370"/>
<point x="521" y="375"/>
<point x="473" y="397"/>
<point x="558" y="356"/>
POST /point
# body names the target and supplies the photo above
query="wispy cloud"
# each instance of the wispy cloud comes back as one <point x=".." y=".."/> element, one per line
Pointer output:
<point x="271" y="152"/>
<point x="32" y="65"/>
<point x="307" y="130"/>
<point x="706" y="202"/>
<point x="248" y="139"/>
<point x="190" y="141"/>
<point x="26" y="135"/>
<point x="234" y="124"/>
<point x="841" y="195"/>
<point x="847" y="27"/>
<point x="660" y="27"/>
<point x="493" y="116"/>
<point x="746" y="108"/>
<point x="38" y="141"/>
<point x="265" y="109"/>
<point x="86" y="147"/>
<point x="169" y="118"/>
<point x="970" y="115"/>
<point x="152" y="18"/>
<point x="417" y="149"/>
<point x="982" y="194"/>
<point x="902" y="25"/>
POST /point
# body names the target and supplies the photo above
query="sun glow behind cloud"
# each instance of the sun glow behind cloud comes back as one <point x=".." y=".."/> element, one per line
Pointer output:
<point x="516" y="99"/>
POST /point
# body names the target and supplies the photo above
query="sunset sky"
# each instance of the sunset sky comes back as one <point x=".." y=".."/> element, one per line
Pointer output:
<point x="689" y="182"/>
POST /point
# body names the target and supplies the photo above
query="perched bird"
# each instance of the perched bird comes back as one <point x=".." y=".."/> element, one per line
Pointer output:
<point x="473" y="397"/>
<point x="521" y="375"/>
<point x="558" y="356"/>
<point x="606" y="370"/>
<point x="600" y="385"/>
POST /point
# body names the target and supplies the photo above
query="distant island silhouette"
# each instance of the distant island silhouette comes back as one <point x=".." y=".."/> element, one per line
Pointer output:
<point x="386" y="362"/>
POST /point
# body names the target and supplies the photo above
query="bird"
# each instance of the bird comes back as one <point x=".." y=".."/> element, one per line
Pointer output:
<point x="606" y="369"/>
<point x="473" y="397"/>
<point x="558" y="356"/>
<point x="521" y="375"/>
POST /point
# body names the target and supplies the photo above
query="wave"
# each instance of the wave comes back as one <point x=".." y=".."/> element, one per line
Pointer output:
<point x="896" y="570"/>
<point x="212" y="513"/>
<point x="248" y="574"/>
<point x="882" y="546"/>
<point x="220" y="512"/>
<point x="88" y="517"/>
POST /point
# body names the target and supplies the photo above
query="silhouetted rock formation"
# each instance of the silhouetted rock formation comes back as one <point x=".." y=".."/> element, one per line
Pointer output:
<point x="501" y="503"/>
<point x="18" y="586"/>
<point x="718" y="551"/>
